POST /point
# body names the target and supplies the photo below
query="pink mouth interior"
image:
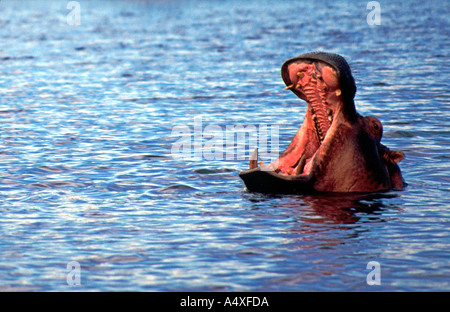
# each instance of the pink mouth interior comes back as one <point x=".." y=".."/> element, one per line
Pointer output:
<point x="318" y="84"/>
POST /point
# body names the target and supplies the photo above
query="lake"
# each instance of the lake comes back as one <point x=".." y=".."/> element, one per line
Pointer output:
<point x="95" y="96"/>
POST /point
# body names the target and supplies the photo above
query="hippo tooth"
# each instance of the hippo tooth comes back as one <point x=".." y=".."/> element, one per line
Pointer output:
<point x="301" y="165"/>
<point x="319" y="76"/>
<point x="323" y="88"/>
<point x="338" y="92"/>
<point x="298" y="86"/>
<point x="254" y="159"/>
<point x="314" y="117"/>
<point x="289" y="87"/>
<point x="330" y="118"/>
<point x="300" y="75"/>
<point x="329" y="111"/>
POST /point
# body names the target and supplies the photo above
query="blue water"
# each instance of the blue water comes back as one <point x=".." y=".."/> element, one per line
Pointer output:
<point x="87" y="171"/>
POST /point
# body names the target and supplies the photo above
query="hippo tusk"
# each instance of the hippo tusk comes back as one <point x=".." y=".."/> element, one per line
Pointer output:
<point x="254" y="159"/>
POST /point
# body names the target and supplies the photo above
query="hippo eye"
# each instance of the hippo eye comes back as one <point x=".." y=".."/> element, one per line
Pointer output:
<point x="376" y="127"/>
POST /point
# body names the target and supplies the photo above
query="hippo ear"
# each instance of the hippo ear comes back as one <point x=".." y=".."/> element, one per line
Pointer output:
<point x="396" y="156"/>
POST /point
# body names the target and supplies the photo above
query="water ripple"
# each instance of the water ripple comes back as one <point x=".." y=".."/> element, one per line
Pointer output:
<point x="86" y="137"/>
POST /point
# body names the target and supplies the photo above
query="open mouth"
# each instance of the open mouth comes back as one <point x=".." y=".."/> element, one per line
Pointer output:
<point x="336" y="149"/>
<point x="317" y="83"/>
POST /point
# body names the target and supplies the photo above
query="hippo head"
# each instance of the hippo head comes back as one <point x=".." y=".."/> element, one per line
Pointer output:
<point x="335" y="149"/>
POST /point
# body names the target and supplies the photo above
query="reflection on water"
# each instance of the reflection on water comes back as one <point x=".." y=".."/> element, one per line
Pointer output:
<point x="344" y="209"/>
<point x="329" y="208"/>
<point x="86" y="172"/>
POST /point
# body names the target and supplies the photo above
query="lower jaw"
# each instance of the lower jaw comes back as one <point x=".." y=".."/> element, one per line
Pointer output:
<point x="301" y="159"/>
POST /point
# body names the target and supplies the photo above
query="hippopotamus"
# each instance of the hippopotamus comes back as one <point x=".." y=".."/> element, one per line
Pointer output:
<point x="336" y="149"/>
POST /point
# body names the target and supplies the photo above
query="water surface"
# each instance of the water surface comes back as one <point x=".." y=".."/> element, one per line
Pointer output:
<point x="86" y="166"/>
